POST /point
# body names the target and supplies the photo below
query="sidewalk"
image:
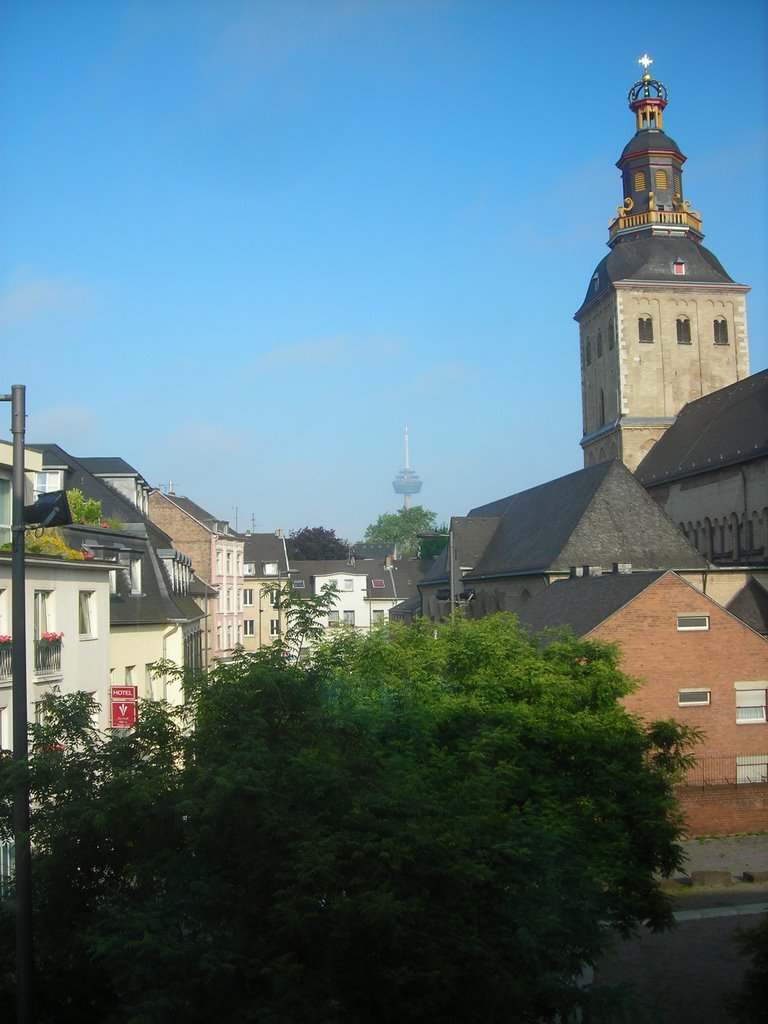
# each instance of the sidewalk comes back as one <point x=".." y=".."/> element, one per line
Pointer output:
<point x="736" y="854"/>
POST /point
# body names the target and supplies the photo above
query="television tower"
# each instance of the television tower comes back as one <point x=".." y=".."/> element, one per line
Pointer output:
<point x="407" y="482"/>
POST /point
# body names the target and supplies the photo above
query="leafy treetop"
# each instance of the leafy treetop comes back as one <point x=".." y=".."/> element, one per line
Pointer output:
<point x="401" y="528"/>
<point x="316" y="542"/>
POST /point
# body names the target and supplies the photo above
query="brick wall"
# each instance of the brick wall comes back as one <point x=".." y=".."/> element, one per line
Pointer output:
<point x="188" y="536"/>
<point x="724" y="810"/>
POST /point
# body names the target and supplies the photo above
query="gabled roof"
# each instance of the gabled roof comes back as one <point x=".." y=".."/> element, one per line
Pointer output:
<point x="595" y="516"/>
<point x="196" y="512"/>
<point x="110" y="466"/>
<point x="725" y="428"/>
<point x="584" y="602"/>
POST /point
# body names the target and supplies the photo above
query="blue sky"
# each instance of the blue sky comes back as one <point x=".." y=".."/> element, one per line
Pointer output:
<point x="244" y="243"/>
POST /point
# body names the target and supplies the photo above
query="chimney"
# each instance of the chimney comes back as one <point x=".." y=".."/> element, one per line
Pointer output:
<point x="592" y="570"/>
<point x="575" y="572"/>
<point x="622" y="568"/>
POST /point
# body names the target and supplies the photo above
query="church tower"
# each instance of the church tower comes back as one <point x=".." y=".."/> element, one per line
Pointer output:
<point x="662" y="323"/>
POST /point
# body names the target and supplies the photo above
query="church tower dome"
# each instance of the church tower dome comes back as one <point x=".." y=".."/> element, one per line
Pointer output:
<point x="662" y="323"/>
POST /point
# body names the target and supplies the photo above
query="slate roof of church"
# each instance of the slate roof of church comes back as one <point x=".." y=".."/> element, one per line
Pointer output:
<point x="649" y="259"/>
<point x="584" y="602"/>
<point x="750" y="605"/>
<point x="725" y="428"/>
<point x="595" y="516"/>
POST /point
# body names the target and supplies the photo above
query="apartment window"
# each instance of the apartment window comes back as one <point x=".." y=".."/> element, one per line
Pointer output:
<point x="720" y="329"/>
<point x="690" y="697"/>
<point x="85" y="617"/>
<point x="683" y="326"/>
<point x="113" y="581"/>
<point x="42" y="610"/>
<point x="298" y="584"/>
<point x="218" y="563"/>
<point x="48" y="481"/>
<point x="333" y="618"/>
<point x="377" y="615"/>
<point x="348" y="585"/>
<point x="5" y="736"/>
<point x="645" y="329"/>
<point x="247" y="597"/>
<point x="270" y="568"/>
<point x="751" y="768"/>
<point x="274" y="627"/>
<point x="229" y="599"/>
<point x="229" y="637"/>
<point x="692" y="622"/>
<point x="5" y="511"/>
<point x="135" y="572"/>
<point x="249" y="569"/>
<point x="750" y="702"/>
<point x="149" y="680"/>
<point x="130" y="675"/>
<point x="274" y="597"/>
<point x="349" y="618"/>
<point x="229" y="563"/>
<point x="248" y="625"/>
<point x="7" y="867"/>
<point x="377" y="584"/>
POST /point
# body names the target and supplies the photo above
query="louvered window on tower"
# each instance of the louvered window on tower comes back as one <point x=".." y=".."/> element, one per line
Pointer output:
<point x="678" y="189"/>
<point x="721" y="331"/>
<point x="661" y="179"/>
<point x="644" y="328"/>
<point x="639" y="181"/>
<point x="683" y="330"/>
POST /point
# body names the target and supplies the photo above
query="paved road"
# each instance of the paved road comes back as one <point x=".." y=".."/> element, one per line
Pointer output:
<point x="685" y="976"/>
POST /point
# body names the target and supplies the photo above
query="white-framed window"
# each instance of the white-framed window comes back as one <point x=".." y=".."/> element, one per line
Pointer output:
<point x="130" y="675"/>
<point x="690" y="697"/>
<point x="274" y="597"/>
<point x="42" y="612"/>
<point x="692" y="622"/>
<point x="149" y="680"/>
<point x="229" y="599"/>
<point x="333" y="619"/>
<point x="349" y="618"/>
<point x="7" y="866"/>
<point x="249" y="569"/>
<point x="5" y="511"/>
<point x="377" y="615"/>
<point x="47" y="481"/>
<point x="348" y="585"/>
<point x="229" y="563"/>
<point x="750" y="702"/>
<point x="274" y="627"/>
<point x="113" y="581"/>
<point x="298" y="584"/>
<point x="86" y="614"/>
<point x="270" y="568"/>
<point x="135" y="574"/>
<point x="247" y="597"/>
<point x="5" y="735"/>
<point x="248" y="627"/>
<point x="229" y="636"/>
<point x="751" y="768"/>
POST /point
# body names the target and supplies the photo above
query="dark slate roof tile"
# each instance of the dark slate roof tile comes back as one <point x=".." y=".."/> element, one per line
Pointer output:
<point x="725" y="428"/>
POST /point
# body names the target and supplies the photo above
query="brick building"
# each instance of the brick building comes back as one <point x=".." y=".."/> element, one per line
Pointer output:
<point x="694" y="662"/>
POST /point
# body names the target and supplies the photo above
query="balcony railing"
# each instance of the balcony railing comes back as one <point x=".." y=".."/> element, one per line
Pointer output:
<point x="678" y="218"/>
<point x="47" y="657"/>
<point x="5" y="661"/>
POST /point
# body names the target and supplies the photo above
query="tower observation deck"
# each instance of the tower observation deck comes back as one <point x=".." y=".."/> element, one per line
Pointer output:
<point x="407" y="482"/>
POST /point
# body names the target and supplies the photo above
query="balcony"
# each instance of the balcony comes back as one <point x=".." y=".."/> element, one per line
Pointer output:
<point x="673" y="219"/>
<point x="5" y="662"/>
<point x="47" y="657"/>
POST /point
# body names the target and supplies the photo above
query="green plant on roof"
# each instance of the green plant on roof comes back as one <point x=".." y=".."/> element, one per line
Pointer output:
<point x="83" y="510"/>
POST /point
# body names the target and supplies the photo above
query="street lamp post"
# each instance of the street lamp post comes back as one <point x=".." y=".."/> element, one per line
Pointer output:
<point x="22" y="851"/>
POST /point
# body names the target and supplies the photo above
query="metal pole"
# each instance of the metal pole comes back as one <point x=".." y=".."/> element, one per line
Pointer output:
<point x="23" y="857"/>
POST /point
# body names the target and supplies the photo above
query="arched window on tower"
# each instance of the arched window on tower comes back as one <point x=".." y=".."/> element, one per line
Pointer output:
<point x="683" y="326"/>
<point x="661" y="179"/>
<point x="602" y="407"/>
<point x="639" y="181"/>
<point x="645" y="328"/>
<point x="599" y="344"/>
<point x="720" y="328"/>
<point x="588" y="353"/>
<point x="611" y="333"/>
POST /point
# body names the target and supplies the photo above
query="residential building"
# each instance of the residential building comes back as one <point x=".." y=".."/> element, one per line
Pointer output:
<point x="662" y="323"/>
<point x="216" y="553"/>
<point x="695" y="662"/>
<point x="153" y="614"/>
<point x="265" y="571"/>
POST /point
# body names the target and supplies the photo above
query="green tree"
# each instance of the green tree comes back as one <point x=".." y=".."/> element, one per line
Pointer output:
<point x="401" y="528"/>
<point x="313" y="542"/>
<point x="436" y="824"/>
<point x="748" y="1006"/>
